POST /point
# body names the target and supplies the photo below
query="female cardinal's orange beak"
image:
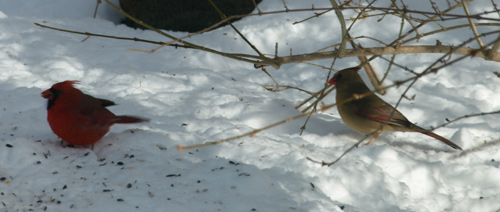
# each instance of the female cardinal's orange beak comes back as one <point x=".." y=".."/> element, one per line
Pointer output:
<point x="332" y="81"/>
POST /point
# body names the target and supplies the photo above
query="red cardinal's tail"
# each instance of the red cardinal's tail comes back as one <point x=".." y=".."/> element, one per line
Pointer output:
<point x="129" y="120"/>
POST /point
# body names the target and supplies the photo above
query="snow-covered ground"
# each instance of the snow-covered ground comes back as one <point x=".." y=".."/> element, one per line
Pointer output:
<point x="193" y="97"/>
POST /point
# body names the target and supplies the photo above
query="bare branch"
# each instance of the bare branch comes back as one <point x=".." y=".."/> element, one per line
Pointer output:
<point x="385" y="50"/>
<point x="472" y="24"/>
<point x="343" y="27"/>
<point x="495" y="48"/>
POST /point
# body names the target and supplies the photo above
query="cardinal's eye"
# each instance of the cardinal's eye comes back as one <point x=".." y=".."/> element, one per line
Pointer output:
<point x="55" y="92"/>
<point x="338" y="76"/>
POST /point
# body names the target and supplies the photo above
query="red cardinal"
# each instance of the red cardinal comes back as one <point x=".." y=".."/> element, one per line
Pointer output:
<point x="78" y="118"/>
<point x="368" y="113"/>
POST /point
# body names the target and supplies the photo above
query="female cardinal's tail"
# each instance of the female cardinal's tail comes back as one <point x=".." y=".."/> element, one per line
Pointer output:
<point x="129" y="120"/>
<point x="438" y="137"/>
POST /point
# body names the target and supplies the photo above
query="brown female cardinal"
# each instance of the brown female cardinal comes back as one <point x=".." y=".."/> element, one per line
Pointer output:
<point x="78" y="118"/>
<point x="366" y="114"/>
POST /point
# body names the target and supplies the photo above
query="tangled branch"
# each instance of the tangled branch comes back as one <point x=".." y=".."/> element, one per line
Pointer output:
<point x="403" y="43"/>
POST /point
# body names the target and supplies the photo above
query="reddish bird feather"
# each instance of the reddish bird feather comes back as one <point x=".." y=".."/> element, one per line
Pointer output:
<point x="79" y="118"/>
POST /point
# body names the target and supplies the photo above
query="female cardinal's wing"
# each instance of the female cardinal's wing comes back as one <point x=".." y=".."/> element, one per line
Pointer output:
<point x="380" y="111"/>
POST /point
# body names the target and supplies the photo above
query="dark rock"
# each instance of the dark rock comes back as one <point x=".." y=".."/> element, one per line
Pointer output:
<point x="183" y="15"/>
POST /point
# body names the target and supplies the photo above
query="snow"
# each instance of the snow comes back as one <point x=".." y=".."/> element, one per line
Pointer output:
<point x="193" y="97"/>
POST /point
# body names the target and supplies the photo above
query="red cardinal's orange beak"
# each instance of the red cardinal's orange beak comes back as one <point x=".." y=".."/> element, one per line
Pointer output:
<point x="47" y="94"/>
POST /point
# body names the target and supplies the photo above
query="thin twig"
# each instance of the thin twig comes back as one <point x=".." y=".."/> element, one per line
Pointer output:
<point x="96" y="7"/>
<point x="322" y="94"/>
<point x="256" y="6"/>
<point x="475" y="149"/>
<point x="272" y="78"/>
<point x="236" y="30"/>
<point x="465" y="117"/>
<point x="106" y="36"/>
<point x="285" y="87"/>
<point x="393" y="58"/>
<point x="323" y="163"/>
<point x="447" y="29"/>
<point x="314" y="95"/>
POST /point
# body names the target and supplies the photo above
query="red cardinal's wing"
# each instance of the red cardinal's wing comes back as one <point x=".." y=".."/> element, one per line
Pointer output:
<point x="94" y="109"/>
<point x="106" y="103"/>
